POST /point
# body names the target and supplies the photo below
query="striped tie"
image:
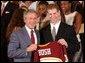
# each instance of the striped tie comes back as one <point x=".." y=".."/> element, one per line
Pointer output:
<point x="54" y="33"/>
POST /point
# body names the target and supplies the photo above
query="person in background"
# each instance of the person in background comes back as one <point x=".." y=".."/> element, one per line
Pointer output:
<point x="42" y="13"/>
<point x="78" y="6"/>
<point x="15" y="3"/>
<point x="73" y="18"/>
<point x="7" y="9"/>
<point x="51" y="2"/>
<point x="58" y="31"/>
<point x="33" y="5"/>
<point x="24" y="41"/>
<point x="23" y="4"/>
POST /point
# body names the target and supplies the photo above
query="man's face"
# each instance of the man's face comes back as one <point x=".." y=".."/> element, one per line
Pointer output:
<point x="54" y="15"/>
<point x="31" y="20"/>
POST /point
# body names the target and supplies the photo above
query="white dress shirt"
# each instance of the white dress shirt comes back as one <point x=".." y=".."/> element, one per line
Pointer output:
<point x="56" y="26"/>
<point x="29" y="33"/>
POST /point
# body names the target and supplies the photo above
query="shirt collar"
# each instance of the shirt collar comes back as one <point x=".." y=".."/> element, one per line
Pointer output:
<point x="28" y="29"/>
<point x="55" y="25"/>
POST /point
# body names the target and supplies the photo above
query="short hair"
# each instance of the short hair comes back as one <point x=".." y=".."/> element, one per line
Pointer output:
<point x="29" y="11"/>
<point x="53" y="6"/>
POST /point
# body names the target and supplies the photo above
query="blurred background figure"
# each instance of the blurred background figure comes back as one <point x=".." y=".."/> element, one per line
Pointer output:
<point x="72" y="18"/>
<point x="78" y="6"/>
<point x="7" y="9"/>
<point x="51" y="2"/>
<point x="33" y="5"/>
<point x="42" y="13"/>
<point x="25" y="4"/>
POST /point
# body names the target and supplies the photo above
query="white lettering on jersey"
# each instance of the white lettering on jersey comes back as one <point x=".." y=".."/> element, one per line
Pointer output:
<point x="44" y="52"/>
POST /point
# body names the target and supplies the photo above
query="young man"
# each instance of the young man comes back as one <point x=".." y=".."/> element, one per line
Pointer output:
<point x="22" y="42"/>
<point x="64" y="34"/>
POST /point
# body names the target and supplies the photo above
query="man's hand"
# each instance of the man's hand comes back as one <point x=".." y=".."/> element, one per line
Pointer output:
<point x="43" y="45"/>
<point x="32" y="47"/>
<point x="63" y="42"/>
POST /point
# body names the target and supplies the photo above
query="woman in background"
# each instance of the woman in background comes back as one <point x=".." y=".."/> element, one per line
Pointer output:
<point x="42" y="13"/>
<point x="72" y="18"/>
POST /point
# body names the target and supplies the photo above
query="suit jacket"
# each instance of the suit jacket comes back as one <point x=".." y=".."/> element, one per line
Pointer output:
<point x="66" y="32"/>
<point x="19" y="41"/>
<point x="7" y="14"/>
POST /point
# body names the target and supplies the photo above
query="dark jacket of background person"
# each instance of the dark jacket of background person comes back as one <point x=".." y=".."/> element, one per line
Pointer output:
<point x="5" y="19"/>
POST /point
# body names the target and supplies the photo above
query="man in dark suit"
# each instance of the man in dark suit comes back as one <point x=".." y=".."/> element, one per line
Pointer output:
<point x="7" y="9"/>
<point x="22" y="42"/>
<point x="63" y="34"/>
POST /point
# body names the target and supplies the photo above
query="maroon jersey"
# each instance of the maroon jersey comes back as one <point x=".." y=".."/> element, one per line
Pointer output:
<point x="52" y="52"/>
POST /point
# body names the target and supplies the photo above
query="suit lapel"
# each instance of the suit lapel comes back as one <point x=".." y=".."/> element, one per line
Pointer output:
<point x="26" y="35"/>
<point x="48" y="32"/>
<point x="61" y="31"/>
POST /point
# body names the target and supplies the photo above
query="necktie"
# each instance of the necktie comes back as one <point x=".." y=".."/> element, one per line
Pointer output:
<point x="54" y="33"/>
<point x="32" y="37"/>
<point x="33" y="42"/>
<point x="2" y="8"/>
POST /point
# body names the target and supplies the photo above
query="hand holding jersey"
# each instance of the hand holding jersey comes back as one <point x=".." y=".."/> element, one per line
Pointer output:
<point x="51" y="52"/>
